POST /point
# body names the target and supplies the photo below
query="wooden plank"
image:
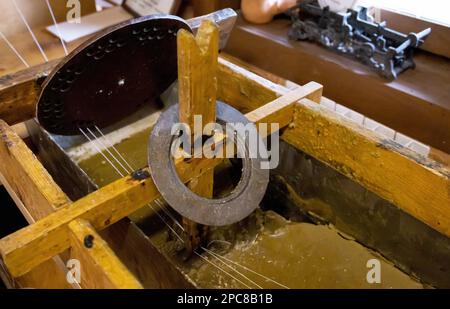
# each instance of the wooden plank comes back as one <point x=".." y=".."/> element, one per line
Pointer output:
<point x="30" y="246"/>
<point x="49" y="275"/>
<point x="23" y="174"/>
<point x="197" y="88"/>
<point x="419" y="186"/>
<point x="281" y="110"/>
<point x="434" y="154"/>
<point x="19" y="93"/>
<point x="437" y="43"/>
<point x="100" y="267"/>
<point x="417" y="104"/>
<point x="36" y="195"/>
<point x="197" y="73"/>
<point x="258" y="71"/>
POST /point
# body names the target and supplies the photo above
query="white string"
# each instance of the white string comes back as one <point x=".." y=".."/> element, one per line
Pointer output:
<point x="114" y="148"/>
<point x="98" y="149"/>
<point x="159" y="203"/>
<point x="246" y="268"/>
<point x="202" y="257"/>
<point x="165" y="222"/>
<point x="13" y="49"/>
<point x="167" y="212"/>
<point x="217" y="257"/>
<point x="31" y="31"/>
<point x="107" y="150"/>
<point x="57" y="27"/>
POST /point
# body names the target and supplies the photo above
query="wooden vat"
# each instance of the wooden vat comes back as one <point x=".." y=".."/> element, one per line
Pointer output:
<point x="332" y="171"/>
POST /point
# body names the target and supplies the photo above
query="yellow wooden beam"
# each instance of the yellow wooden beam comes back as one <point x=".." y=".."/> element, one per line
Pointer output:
<point x="197" y="73"/>
<point x="281" y="110"/>
<point x="99" y="265"/>
<point x="197" y="88"/>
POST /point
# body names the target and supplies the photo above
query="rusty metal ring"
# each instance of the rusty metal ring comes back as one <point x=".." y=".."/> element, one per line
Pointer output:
<point x="240" y="203"/>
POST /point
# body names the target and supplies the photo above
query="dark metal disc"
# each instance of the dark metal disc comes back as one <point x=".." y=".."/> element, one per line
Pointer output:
<point x="112" y="75"/>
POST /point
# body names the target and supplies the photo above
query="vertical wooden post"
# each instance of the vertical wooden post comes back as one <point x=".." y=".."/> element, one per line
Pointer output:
<point x="197" y="82"/>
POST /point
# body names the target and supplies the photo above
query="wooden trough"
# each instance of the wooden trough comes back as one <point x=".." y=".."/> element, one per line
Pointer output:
<point x="115" y="253"/>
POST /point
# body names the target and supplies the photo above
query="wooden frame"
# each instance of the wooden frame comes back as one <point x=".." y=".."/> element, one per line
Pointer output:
<point x="58" y="224"/>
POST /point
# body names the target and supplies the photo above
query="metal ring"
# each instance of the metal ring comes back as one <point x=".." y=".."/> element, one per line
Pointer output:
<point x="240" y="203"/>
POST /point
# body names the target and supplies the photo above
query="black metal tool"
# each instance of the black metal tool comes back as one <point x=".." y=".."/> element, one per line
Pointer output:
<point x="111" y="75"/>
<point x="354" y="33"/>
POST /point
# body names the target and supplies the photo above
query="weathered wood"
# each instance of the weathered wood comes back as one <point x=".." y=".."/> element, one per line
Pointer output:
<point x="51" y="274"/>
<point x="143" y="259"/>
<point x="100" y="267"/>
<point x="434" y="153"/>
<point x="197" y="73"/>
<point x="197" y="88"/>
<point x="416" y="185"/>
<point x="26" y="177"/>
<point x="36" y="195"/>
<point x="419" y="186"/>
<point x="30" y="246"/>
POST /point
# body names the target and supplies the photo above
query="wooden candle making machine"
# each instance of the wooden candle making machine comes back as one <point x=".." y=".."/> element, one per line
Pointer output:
<point x="120" y="229"/>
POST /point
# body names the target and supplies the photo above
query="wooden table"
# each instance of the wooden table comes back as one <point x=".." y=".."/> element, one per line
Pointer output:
<point x="416" y="104"/>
